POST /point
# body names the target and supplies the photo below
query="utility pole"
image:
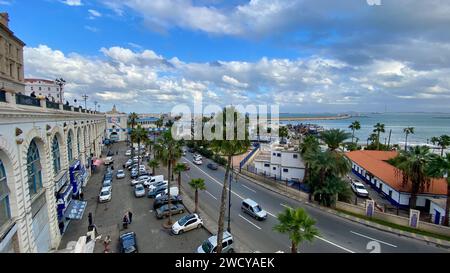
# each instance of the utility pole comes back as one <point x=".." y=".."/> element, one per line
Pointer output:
<point x="95" y="103"/>
<point x="60" y="82"/>
<point x="389" y="142"/>
<point x="85" y="97"/>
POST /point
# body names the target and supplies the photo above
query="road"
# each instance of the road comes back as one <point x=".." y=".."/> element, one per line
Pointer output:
<point x="337" y="235"/>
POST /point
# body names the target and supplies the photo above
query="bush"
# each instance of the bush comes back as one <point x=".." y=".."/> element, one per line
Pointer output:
<point x="220" y="160"/>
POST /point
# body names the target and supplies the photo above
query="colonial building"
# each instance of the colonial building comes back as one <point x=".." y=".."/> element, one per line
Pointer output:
<point x="116" y="125"/>
<point x="46" y="153"/>
<point x="44" y="88"/>
<point x="11" y="58"/>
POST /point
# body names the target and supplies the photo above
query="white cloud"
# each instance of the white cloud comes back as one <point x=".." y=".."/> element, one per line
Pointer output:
<point x="73" y="2"/>
<point x="94" y="14"/>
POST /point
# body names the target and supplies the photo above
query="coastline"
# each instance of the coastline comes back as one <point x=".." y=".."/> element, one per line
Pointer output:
<point x="315" y="118"/>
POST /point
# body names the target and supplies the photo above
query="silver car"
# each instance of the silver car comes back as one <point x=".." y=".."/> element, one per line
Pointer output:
<point x="139" y="190"/>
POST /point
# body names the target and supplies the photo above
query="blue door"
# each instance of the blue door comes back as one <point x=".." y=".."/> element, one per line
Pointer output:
<point x="437" y="217"/>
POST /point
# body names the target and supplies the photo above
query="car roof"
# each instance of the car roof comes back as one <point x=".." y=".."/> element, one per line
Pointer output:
<point x="358" y="183"/>
<point x="250" y="202"/>
<point x="213" y="239"/>
<point x="105" y="189"/>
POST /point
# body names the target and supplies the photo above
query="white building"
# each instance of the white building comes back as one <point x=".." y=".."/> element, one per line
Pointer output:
<point x="282" y="162"/>
<point x="44" y="88"/>
<point x="116" y="125"/>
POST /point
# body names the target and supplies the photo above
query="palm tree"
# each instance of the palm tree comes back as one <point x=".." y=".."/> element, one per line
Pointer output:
<point x="379" y="128"/>
<point x="334" y="138"/>
<point x="407" y="131"/>
<point x="197" y="184"/>
<point x="413" y="166"/>
<point x="440" y="167"/>
<point x="153" y="164"/>
<point x="149" y="143"/>
<point x="442" y="141"/>
<point x="299" y="225"/>
<point x="132" y="121"/>
<point x="354" y="127"/>
<point x="228" y="149"/>
<point x="159" y="123"/>
<point x="169" y="123"/>
<point x="179" y="167"/>
<point x="283" y="132"/>
<point x="308" y="147"/>
<point x="139" y="135"/>
<point x="168" y="150"/>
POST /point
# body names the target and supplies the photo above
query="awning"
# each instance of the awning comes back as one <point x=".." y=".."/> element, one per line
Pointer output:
<point x="75" y="210"/>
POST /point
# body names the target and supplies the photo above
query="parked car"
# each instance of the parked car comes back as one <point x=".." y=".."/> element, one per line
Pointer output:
<point x="198" y="157"/>
<point x="128" y="153"/>
<point x="210" y="245"/>
<point x="187" y="223"/>
<point x="110" y="153"/>
<point x="213" y="166"/>
<point x="164" y="210"/>
<point x="128" y="163"/>
<point x="105" y="195"/>
<point x="173" y="191"/>
<point x="108" y="176"/>
<point x="139" y="190"/>
<point x="198" y="162"/>
<point x="158" y="184"/>
<point x="127" y="243"/>
<point x="153" y="180"/>
<point x="120" y="174"/>
<point x="359" y="189"/>
<point x="107" y="184"/>
<point x="109" y="160"/>
<point x="253" y="209"/>
<point x="164" y="200"/>
<point x="153" y="193"/>
<point x="134" y="173"/>
<point x="140" y="180"/>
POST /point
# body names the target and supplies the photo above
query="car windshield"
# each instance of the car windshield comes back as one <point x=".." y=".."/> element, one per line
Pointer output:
<point x="184" y="220"/>
<point x="257" y="209"/>
<point x="206" y="246"/>
<point x="107" y="183"/>
<point x="360" y="187"/>
<point x="104" y="193"/>
<point x="139" y="188"/>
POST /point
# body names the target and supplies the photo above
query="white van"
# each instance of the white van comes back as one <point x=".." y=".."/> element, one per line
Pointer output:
<point x="173" y="192"/>
<point x="154" y="180"/>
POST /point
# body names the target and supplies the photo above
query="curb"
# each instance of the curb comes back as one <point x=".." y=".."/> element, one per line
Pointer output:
<point x="436" y="241"/>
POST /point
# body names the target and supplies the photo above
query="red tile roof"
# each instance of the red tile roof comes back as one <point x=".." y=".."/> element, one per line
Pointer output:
<point x="374" y="162"/>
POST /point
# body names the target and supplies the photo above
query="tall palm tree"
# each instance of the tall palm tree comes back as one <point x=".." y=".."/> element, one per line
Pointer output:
<point x="132" y="121"/>
<point x="197" y="184"/>
<point x="413" y="166"/>
<point x="308" y="147"/>
<point x="379" y="128"/>
<point x="149" y="143"/>
<point x="356" y="125"/>
<point x="440" y="167"/>
<point x="442" y="141"/>
<point x="179" y="167"/>
<point x="334" y="138"/>
<point x="139" y="135"/>
<point x="407" y="131"/>
<point x="153" y="164"/>
<point x="168" y="150"/>
<point x="299" y="225"/>
<point x="228" y="149"/>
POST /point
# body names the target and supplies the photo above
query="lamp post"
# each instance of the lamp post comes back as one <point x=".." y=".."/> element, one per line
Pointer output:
<point x="85" y="97"/>
<point x="95" y="103"/>
<point x="60" y="82"/>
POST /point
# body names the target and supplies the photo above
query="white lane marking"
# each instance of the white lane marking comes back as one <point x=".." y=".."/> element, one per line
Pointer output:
<point x="211" y="195"/>
<point x="270" y="214"/>
<point x="336" y="245"/>
<point x="248" y="188"/>
<point x="249" y="221"/>
<point x="286" y="206"/>
<point x="373" y="239"/>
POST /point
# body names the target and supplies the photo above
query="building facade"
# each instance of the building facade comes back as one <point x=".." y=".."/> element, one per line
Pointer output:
<point x="44" y="88"/>
<point x="11" y="59"/>
<point x="282" y="162"/>
<point x="116" y="125"/>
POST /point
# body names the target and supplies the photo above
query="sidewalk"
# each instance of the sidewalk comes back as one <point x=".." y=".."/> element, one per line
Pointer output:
<point x="303" y="197"/>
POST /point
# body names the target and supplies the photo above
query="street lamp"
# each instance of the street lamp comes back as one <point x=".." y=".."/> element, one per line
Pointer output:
<point x="95" y="103"/>
<point x="61" y="82"/>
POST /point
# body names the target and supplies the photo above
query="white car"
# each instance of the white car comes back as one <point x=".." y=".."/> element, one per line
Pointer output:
<point x="359" y="189"/>
<point x="187" y="223"/>
<point x="128" y="153"/>
<point x="139" y="190"/>
<point x="120" y="174"/>
<point x="140" y="180"/>
<point x="129" y="163"/>
<point x="198" y="157"/>
<point x="198" y="162"/>
<point x="105" y="195"/>
<point x="152" y="186"/>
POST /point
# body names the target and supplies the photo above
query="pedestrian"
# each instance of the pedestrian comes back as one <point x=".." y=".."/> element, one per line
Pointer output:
<point x="125" y="221"/>
<point x="130" y="216"/>
<point x="90" y="218"/>
<point x="81" y="196"/>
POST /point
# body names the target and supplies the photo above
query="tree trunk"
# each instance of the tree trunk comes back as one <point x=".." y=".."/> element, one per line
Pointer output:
<point x="196" y="200"/>
<point x="447" y="209"/>
<point x="353" y="135"/>
<point x="169" y="222"/>
<point x="179" y="182"/>
<point x="406" y="142"/>
<point x="223" y="200"/>
<point x="139" y="159"/>
<point x="378" y="141"/>
<point x="293" y="247"/>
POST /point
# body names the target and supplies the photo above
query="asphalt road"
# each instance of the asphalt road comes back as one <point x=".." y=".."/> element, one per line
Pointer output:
<point x="337" y="235"/>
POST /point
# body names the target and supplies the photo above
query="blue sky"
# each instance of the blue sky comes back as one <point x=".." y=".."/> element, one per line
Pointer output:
<point x="304" y="55"/>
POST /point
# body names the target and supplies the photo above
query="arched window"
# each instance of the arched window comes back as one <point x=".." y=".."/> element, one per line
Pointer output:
<point x="69" y="146"/>
<point x="56" y="155"/>
<point x="5" y="213"/>
<point x="78" y="142"/>
<point x="34" y="169"/>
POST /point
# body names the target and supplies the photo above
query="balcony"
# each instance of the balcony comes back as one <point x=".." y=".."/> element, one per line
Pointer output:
<point x="67" y="108"/>
<point x="52" y="105"/>
<point x="27" y="100"/>
<point x="76" y="109"/>
<point x="2" y="96"/>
